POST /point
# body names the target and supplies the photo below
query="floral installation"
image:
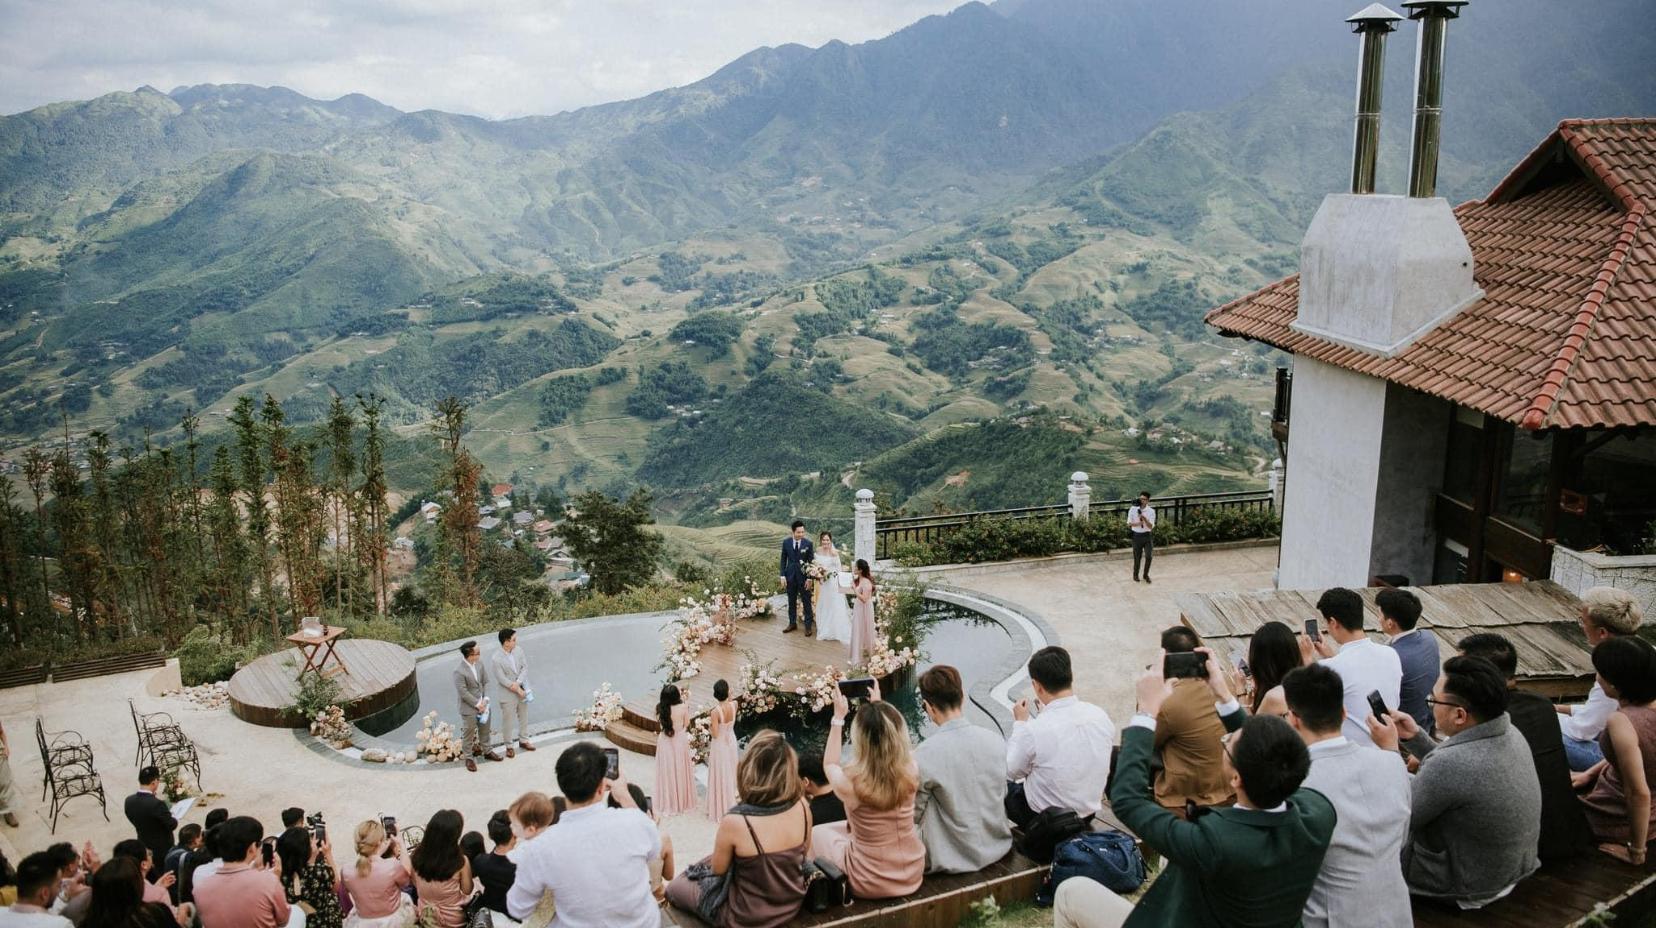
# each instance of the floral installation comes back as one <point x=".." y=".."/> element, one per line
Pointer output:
<point x="330" y="726"/>
<point x="709" y="620"/>
<point x="701" y="736"/>
<point x="758" y="687"/>
<point x="437" y="740"/>
<point x="605" y="708"/>
<point x="815" y="691"/>
<point x="173" y="784"/>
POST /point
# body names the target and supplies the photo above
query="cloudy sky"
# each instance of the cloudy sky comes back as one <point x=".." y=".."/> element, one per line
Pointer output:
<point x="495" y="58"/>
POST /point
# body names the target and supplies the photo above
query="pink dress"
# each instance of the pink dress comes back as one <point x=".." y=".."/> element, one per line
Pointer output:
<point x="862" y="621"/>
<point x="880" y="851"/>
<point x="721" y="763"/>
<point x="675" y="786"/>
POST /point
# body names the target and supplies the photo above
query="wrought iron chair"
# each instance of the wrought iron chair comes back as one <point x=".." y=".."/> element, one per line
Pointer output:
<point x="58" y="749"/>
<point x="154" y="729"/>
<point x="411" y="836"/>
<point x="67" y="762"/>
<point x="166" y="756"/>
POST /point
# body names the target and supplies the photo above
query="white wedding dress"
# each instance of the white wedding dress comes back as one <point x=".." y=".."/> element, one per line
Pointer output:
<point x="833" y="613"/>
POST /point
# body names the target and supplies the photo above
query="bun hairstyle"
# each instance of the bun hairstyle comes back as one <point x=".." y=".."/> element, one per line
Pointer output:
<point x="721" y="691"/>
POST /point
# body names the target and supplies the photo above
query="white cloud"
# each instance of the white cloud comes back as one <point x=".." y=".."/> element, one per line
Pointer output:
<point x="495" y="58"/>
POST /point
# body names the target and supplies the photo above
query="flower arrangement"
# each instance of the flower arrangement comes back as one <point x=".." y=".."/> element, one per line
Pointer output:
<point x="330" y="726"/>
<point x="437" y="740"/>
<point x="605" y="708"/>
<point x="701" y="737"/>
<point x="815" y="691"/>
<point x="173" y="784"/>
<point x="758" y="687"/>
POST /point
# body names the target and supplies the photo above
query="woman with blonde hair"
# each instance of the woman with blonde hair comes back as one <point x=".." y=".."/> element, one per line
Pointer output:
<point x="376" y="883"/>
<point x="1606" y="612"/>
<point x="877" y="845"/>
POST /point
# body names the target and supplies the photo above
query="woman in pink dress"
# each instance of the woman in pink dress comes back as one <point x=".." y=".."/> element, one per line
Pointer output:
<point x="877" y="845"/>
<point x="722" y="754"/>
<point x="675" y="787"/>
<point x="862" y="614"/>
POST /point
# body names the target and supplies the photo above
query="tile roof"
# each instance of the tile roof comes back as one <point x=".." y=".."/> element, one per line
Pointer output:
<point x="1565" y="250"/>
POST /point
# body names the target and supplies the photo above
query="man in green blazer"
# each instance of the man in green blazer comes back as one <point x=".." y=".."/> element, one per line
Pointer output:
<point x="1249" y="865"/>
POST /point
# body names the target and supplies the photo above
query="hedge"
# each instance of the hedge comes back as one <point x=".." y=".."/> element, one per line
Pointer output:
<point x="1008" y="539"/>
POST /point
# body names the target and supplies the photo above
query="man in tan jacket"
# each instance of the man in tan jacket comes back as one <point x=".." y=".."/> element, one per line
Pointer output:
<point x="1188" y="732"/>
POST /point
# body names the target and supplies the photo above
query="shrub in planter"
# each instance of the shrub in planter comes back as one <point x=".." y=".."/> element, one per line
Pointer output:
<point x="1095" y="535"/>
<point x="1002" y="540"/>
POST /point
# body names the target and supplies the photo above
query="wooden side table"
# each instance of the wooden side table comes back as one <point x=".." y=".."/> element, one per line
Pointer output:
<point x="319" y="651"/>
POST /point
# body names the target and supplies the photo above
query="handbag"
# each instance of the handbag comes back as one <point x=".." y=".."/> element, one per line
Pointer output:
<point x="475" y="914"/>
<point x="1049" y="828"/>
<point x="1107" y="857"/>
<point x="825" y="884"/>
<point x="712" y="889"/>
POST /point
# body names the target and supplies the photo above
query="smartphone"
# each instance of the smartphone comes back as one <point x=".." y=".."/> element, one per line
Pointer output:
<point x="1242" y="667"/>
<point x="1184" y="664"/>
<point x="1377" y="705"/>
<point x="267" y="851"/>
<point x="613" y="756"/>
<point x="321" y="833"/>
<point x="389" y="823"/>
<point x="1312" y="631"/>
<point x="857" y="688"/>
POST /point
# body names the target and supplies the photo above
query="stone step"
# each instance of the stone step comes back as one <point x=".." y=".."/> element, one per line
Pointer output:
<point x="628" y="736"/>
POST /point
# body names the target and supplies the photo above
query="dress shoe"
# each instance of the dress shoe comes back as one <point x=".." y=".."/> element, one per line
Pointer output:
<point x="477" y="752"/>
<point x="526" y="746"/>
<point x="791" y="628"/>
<point x="471" y="765"/>
<point x="11" y="819"/>
<point x="493" y="755"/>
<point x="1146" y="578"/>
<point x="510" y="752"/>
<point x="810" y="632"/>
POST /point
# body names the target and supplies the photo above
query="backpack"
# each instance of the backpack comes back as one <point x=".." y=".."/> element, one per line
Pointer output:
<point x="1049" y="828"/>
<point x="1108" y="857"/>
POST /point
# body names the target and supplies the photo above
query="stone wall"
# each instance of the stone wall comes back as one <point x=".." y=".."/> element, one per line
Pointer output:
<point x="1579" y="571"/>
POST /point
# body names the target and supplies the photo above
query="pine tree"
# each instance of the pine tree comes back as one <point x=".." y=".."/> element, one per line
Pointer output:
<point x="75" y="555"/>
<point x="459" y="539"/>
<point x="11" y="563"/>
<point x="231" y="576"/>
<point x="341" y="431"/>
<point x="252" y="479"/>
<point x="371" y="495"/>
<point x="106" y="519"/>
<point x="37" y="469"/>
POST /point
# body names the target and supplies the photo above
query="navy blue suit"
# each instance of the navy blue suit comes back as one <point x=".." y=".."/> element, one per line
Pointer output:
<point x="795" y="555"/>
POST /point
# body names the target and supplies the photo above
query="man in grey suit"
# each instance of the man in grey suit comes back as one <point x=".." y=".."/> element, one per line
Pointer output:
<point x="511" y="673"/>
<point x="959" y="809"/>
<point x="471" y="688"/>
<point x="1361" y="880"/>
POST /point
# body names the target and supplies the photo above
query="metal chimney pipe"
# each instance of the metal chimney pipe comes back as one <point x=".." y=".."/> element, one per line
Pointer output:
<point x="1433" y="16"/>
<point x="1373" y="23"/>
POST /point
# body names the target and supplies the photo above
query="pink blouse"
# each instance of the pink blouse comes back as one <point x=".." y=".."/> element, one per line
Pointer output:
<point x="380" y="892"/>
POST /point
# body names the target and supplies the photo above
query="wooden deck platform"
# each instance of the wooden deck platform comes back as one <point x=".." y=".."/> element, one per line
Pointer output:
<point x="1538" y="617"/>
<point x="378" y="675"/>
<point x="1564" y="895"/>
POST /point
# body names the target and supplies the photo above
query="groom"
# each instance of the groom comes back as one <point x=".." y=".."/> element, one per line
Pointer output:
<point x="796" y="553"/>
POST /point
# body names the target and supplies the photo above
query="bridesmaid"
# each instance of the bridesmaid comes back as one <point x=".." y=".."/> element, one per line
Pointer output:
<point x="862" y="614"/>
<point x="722" y="754"/>
<point x="675" y="788"/>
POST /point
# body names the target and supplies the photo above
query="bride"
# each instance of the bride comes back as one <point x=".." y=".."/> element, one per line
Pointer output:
<point x="833" y="616"/>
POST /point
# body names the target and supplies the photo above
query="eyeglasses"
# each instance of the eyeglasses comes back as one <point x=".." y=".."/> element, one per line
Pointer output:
<point x="1444" y="702"/>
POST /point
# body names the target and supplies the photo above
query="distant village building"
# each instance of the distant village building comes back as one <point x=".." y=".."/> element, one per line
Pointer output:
<point x="522" y="517"/>
<point x="403" y="543"/>
<point x="489" y="524"/>
<point x="500" y="489"/>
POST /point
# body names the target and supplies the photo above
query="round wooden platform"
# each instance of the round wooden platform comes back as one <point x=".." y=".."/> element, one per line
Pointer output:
<point x="378" y="675"/>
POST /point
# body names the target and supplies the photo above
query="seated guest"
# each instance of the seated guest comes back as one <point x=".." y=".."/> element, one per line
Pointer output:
<point x="204" y="861"/>
<point x="189" y="839"/>
<point x="595" y="861"/>
<point x="877" y="845"/>
<point x="1606" y="613"/>
<point x="134" y="850"/>
<point x="472" y="845"/>
<point x="243" y="894"/>
<point x="37" y="886"/>
<point x="442" y="874"/>
<point x="759" y="850"/>
<point x="825" y="806"/>
<point x="1060" y="758"/>
<point x="117" y="898"/>
<point x="292" y="817"/>
<point x="1618" y="802"/>
<point x="660" y="866"/>
<point x="1564" y="832"/>
<point x="1187" y="738"/>
<point x="1273" y="652"/>
<point x="1417" y="650"/>
<point x="1255" y="861"/>
<point x="960" y="809"/>
<point x="74" y="875"/>
<point x="494" y="869"/>
<point x="1361" y="881"/>
<point x="1363" y="665"/>
<point x="376" y="882"/>
<point x="309" y="877"/>
<point x="1476" y="809"/>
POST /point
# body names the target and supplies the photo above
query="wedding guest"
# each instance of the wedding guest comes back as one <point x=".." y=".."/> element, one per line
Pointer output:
<point x="877" y="845"/>
<point x="1141" y="522"/>
<point x="1606" y="613"/>
<point x="511" y="672"/>
<point x="309" y="878"/>
<point x="759" y="850"/>
<point x="1188" y="732"/>
<point x="132" y="849"/>
<point x="375" y="883"/>
<point x="442" y="874"/>
<point x="1273" y="653"/>
<point x="1417" y="651"/>
<point x="1061" y="757"/>
<point x="675" y="769"/>
<point x="471" y="844"/>
<point x="1365" y="666"/>
<point x="471" y="688"/>
<point x="825" y="806"/>
<point x="8" y="792"/>
<point x="960" y="807"/>
<point x="862" y="614"/>
<point x="721" y="753"/>
<point x="118" y="900"/>
<point x="37" y="885"/>
<point x="495" y="869"/>
<point x="1618" y="801"/>
<point x="530" y="815"/>
<point x="292" y="817"/>
<point x="189" y="839"/>
<point x="243" y="893"/>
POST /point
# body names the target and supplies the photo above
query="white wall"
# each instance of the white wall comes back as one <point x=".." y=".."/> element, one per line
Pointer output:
<point x="1334" y="440"/>
<point x="1416" y="438"/>
<point x="1580" y="571"/>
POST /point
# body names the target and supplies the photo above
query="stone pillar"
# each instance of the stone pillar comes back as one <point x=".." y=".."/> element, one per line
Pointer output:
<point x="1279" y="476"/>
<point x="863" y="533"/>
<point x="1080" y="496"/>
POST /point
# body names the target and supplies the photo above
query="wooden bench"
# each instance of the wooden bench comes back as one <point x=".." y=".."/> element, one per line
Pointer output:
<point x="1559" y="896"/>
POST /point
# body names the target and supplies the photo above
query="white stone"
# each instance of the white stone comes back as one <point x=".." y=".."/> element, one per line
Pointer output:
<point x="374" y="756"/>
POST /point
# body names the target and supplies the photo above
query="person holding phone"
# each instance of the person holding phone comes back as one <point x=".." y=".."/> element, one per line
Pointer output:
<point x="376" y="883"/>
<point x="877" y="845"/>
<point x="1060" y="758"/>
<point x="1188" y="731"/>
<point x="309" y="877"/>
<point x="1141" y="524"/>
<point x="1364" y="665"/>
<point x="246" y="892"/>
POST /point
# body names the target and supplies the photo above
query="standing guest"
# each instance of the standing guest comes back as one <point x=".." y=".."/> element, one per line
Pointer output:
<point x="1618" y="802"/>
<point x="1361" y="881"/>
<point x="471" y="687"/>
<point x="1273" y="653"/>
<point x="1606" y="613"/>
<point x="877" y="845"/>
<point x="150" y="816"/>
<point x="511" y="671"/>
<point x="494" y="869"/>
<point x="760" y="847"/>
<point x="1060" y="758"/>
<point x="1364" y="666"/>
<point x="1417" y="651"/>
<point x="862" y="613"/>
<point x="442" y="874"/>
<point x="243" y="893"/>
<point x="1187" y="738"/>
<point x="1141" y="522"/>
<point x="675" y="768"/>
<point x="595" y="861"/>
<point x="8" y="792"/>
<point x="796" y="553"/>
<point x="721" y="753"/>
<point x="1476" y="810"/>
<point x="376" y="882"/>
<point x="1253" y="863"/>
<point x="1564" y="832"/>
<point x="813" y="783"/>
<point x="118" y="899"/>
<point x="37" y="885"/>
<point x="960" y="808"/>
<point x="309" y="877"/>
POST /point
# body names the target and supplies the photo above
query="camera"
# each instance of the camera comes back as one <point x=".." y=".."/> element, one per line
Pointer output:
<point x="318" y="827"/>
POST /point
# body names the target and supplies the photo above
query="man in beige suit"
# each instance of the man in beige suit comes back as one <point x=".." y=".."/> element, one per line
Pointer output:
<point x="471" y="687"/>
<point x="511" y="672"/>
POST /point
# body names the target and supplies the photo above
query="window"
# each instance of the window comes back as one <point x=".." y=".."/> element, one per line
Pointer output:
<point x="1460" y="471"/>
<point x="1528" y="463"/>
<point x="1610" y="497"/>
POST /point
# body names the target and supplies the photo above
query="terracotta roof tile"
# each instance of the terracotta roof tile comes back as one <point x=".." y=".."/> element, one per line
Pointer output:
<point x="1565" y="335"/>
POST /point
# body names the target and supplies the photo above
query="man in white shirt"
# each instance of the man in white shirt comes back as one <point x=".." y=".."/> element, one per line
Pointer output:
<point x="595" y="860"/>
<point x="511" y="672"/>
<point x="1061" y="757"/>
<point x="1141" y="524"/>
<point x="37" y="885"/>
<point x="1364" y="666"/>
<point x="1606" y="612"/>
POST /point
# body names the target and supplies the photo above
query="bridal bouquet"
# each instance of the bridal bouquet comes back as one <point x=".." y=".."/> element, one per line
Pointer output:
<point x="815" y="571"/>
